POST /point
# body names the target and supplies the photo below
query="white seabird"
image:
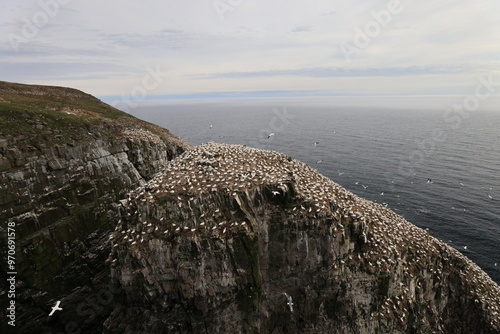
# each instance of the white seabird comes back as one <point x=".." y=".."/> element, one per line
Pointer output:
<point x="289" y="302"/>
<point x="55" y="308"/>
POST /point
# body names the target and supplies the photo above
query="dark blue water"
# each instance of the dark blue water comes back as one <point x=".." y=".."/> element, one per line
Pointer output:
<point x="385" y="155"/>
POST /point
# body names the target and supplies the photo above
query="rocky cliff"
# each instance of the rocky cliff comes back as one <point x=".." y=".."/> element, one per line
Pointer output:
<point x="136" y="231"/>
<point x="66" y="159"/>
<point x="230" y="239"/>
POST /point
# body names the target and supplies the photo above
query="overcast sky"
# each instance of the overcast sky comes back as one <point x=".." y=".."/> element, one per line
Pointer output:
<point x="193" y="48"/>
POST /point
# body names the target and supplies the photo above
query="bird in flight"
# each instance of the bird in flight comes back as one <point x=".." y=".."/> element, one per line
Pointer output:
<point x="315" y="143"/>
<point x="340" y="173"/>
<point x="490" y="196"/>
<point x="289" y="302"/>
<point x="270" y="135"/>
<point x="55" y="308"/>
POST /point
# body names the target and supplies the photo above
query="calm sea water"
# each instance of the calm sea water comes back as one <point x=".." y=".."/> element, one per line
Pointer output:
<point x="383" y="152"/>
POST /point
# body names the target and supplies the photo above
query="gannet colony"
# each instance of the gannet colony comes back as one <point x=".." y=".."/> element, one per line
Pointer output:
<point x="227" y="236"/>
<point x="221" y="239"/>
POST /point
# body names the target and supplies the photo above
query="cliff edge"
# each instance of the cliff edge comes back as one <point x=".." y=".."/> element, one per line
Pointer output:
<point x="66" y="159"/>
<point x="231" y="239"/>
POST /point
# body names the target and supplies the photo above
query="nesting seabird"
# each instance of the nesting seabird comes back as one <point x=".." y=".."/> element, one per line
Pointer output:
<point x="233" y="169"/>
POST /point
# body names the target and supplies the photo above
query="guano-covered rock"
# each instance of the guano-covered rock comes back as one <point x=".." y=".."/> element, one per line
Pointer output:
<point x="231" y="239"/>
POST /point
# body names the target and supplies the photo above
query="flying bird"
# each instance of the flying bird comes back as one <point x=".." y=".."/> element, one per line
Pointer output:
<point x="270" y="135"/>
<point x="289" y="302"/>
<point x="55" y="308"/>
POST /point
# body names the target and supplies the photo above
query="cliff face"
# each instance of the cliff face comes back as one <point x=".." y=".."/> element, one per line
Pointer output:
<point x="66" y="159"/>
<point x="229" y="239"/>
<point x="225" y="239"/>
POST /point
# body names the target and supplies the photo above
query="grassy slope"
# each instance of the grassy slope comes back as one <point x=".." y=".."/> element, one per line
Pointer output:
<point x="25" y="109"/>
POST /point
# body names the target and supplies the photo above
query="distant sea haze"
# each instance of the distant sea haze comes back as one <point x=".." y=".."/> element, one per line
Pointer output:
<point x="401" y="152"/>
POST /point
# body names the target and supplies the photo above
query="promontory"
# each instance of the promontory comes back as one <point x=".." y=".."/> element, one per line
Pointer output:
<point x="130" y="229"/>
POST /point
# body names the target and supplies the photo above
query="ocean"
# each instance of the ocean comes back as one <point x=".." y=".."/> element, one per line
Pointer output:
<point x="437" y="167"/>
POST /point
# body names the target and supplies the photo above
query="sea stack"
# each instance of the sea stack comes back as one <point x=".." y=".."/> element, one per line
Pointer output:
<point x="232" y="239"/>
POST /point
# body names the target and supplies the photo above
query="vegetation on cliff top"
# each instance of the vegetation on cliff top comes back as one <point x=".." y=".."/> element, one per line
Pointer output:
<point x="27" y="109"/>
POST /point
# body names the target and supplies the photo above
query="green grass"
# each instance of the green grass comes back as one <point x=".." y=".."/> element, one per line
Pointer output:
<point x="22" y="107"/>
<point x="44" y="111"/>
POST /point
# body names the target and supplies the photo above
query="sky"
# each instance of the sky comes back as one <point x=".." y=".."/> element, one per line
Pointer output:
<point x="175" y="49"/>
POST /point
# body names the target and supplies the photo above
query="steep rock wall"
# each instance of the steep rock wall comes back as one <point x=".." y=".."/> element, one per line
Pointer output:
<point x="229" y="239"/>
<point x="62" y="171"/>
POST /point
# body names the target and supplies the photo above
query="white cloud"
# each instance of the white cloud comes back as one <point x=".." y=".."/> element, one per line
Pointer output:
<point x="103" y="47"/>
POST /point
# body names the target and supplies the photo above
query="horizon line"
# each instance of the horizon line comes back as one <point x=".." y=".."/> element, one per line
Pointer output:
<point x="255" y="94"/>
